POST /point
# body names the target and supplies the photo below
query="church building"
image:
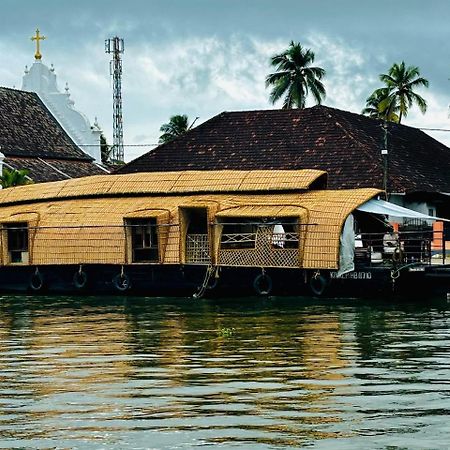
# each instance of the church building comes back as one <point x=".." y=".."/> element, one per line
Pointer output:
<point x="41" y="131"/>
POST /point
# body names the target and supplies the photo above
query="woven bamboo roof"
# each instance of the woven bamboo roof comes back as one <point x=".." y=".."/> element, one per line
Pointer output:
<point x="262" y="211"/>
<point x="168" y="183"/>
<point x="66" y="235"/>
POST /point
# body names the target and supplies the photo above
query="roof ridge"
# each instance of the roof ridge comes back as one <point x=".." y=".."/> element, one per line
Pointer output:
<point x="16" y="90"/>
<point x="352" y="134"/>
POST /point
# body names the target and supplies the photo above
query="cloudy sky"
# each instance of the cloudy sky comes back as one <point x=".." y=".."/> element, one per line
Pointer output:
<point x="201" y="57"/>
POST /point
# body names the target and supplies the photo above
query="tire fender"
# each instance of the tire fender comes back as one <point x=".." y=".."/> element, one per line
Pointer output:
<point x="263" y="284"/>
<point x="121" y="282"/>
<point x="318" y="284"/>
<point x="36" y="281"/>
<point x="80" y="279"/>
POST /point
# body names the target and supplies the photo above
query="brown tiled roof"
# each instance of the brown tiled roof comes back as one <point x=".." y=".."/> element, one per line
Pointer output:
<point x="41" y="170"/>
<point x="346" y="145"/>
<point x="28" y="129"/>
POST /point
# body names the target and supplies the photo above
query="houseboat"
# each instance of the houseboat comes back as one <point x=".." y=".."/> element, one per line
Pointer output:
<point x="211" y="233"/>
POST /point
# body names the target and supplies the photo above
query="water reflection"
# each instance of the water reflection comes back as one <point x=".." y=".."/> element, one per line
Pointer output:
<point x="160" y="373"/>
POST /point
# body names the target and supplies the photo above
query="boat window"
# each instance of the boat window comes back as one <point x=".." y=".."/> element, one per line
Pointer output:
<point x="144" y="240"/>
<point x="239" y="234"/>
<point x="17" y="242"/>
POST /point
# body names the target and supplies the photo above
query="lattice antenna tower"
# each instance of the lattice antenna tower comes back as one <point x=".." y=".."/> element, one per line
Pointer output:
<point x="115" y="47"/>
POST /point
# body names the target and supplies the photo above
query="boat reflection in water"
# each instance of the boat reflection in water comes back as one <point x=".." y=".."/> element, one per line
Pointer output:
<point x="161" y="373"/>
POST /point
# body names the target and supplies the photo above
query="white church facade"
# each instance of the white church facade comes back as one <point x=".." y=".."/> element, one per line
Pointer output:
<point x="42" y="80"/>
<point x="42" y="133"/>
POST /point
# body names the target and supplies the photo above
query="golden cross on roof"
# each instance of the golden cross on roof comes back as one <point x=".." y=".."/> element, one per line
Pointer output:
<point x="37" y="38"/>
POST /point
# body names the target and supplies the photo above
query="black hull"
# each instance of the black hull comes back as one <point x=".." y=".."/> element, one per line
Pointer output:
<point x="188" y="281"/>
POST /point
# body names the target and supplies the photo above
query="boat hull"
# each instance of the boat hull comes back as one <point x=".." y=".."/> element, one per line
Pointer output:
<point x="191" y="280"/>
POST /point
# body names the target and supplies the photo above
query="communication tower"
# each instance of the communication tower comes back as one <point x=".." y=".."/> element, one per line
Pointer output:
<point x="115" y="47"/>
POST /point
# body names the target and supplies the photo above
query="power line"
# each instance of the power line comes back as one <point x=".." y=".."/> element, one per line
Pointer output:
<point x="96" y="145"/>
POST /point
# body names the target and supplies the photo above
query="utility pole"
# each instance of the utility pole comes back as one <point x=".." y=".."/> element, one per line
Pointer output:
<point x="115" y="47"/>
<point x="384" y="155"/>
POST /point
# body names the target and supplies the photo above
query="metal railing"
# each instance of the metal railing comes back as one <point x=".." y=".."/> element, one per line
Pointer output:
<point x="248" y="240"/>
<point x="238" y="240"/>
<point x="74" y="244"/>
<point x="390" y="248"/>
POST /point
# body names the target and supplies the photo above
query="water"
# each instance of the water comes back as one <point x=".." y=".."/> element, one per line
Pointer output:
<point x="164" y="373"/>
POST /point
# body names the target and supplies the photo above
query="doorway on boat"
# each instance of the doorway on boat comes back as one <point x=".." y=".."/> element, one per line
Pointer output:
<point x="196" y="238"/>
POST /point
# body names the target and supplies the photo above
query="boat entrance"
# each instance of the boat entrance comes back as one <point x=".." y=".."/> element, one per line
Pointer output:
<point x="196" y="241"/>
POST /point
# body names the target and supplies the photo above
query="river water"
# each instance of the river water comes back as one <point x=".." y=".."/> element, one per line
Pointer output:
<point x="255" y="373"/>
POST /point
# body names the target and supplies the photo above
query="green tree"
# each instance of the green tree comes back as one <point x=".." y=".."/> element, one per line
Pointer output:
<point x="13" y="177"/>
<point x="379" y="105"/>
<point x="399" y="85"/>
<point x="105" y="150"/>
<point x="294" y="77"/>
<point x="177" y="126"/>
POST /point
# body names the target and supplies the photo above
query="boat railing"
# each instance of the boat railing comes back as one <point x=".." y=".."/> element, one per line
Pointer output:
<point x="248" y="240"/>
<point x="393" y="248"/>
<point x="238" y="240"/>
<point x="75" y="244"/>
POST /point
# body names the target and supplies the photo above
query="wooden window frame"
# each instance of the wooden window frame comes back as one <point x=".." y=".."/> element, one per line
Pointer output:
<point x="17" y="254"/>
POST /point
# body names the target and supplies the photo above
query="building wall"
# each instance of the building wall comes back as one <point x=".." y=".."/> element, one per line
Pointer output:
<point x="423" y="207"/>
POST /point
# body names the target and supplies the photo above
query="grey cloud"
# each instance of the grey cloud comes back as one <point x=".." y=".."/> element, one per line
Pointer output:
<point x="227" y="45"/>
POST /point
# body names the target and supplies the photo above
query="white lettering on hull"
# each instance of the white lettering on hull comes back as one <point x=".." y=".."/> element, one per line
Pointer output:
<point x="352" y="276"/>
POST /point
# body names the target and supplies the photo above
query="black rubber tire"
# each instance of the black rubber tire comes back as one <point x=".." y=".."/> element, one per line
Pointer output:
<point x="263" y="284"/>
<point x="36" y="282"/>
<point x="121" y="282"/>
<point x="318" y="285"/>
<point x="80" y="279"/>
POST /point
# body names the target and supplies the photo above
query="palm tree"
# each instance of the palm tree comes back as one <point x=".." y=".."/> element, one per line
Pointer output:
<point x="379" y="105"/>
<point x="294" y="77"/>
<point x="176" y="126"/>
<point x="13" y="177"/>
<point x="400" y="83"/>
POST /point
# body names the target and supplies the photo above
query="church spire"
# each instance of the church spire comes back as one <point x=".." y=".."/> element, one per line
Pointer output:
<point x="38" y="38"/>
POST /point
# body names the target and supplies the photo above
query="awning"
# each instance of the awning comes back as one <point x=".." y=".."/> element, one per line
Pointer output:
<point x="390" y="209"/>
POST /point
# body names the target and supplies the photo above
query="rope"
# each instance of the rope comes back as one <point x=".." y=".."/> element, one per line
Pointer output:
<point x="201" y="291"/>
<point x="395" y="273"/>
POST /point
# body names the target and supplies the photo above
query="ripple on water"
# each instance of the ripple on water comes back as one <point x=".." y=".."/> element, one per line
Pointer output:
<point x="160" y="373"/>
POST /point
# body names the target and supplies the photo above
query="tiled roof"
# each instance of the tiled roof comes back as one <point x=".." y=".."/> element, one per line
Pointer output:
<point x="28" y="129"/>
<point x="42" y="170"/>
<point x="346" y="145"/>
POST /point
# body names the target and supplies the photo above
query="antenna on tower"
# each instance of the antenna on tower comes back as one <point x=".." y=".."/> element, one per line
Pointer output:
<point x="115" y="46"/>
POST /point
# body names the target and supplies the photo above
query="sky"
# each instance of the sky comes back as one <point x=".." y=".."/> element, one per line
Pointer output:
<point x="202" y="57"/>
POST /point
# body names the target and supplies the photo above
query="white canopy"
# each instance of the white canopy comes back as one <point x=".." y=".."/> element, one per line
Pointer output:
<point x="390" y="209"/>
